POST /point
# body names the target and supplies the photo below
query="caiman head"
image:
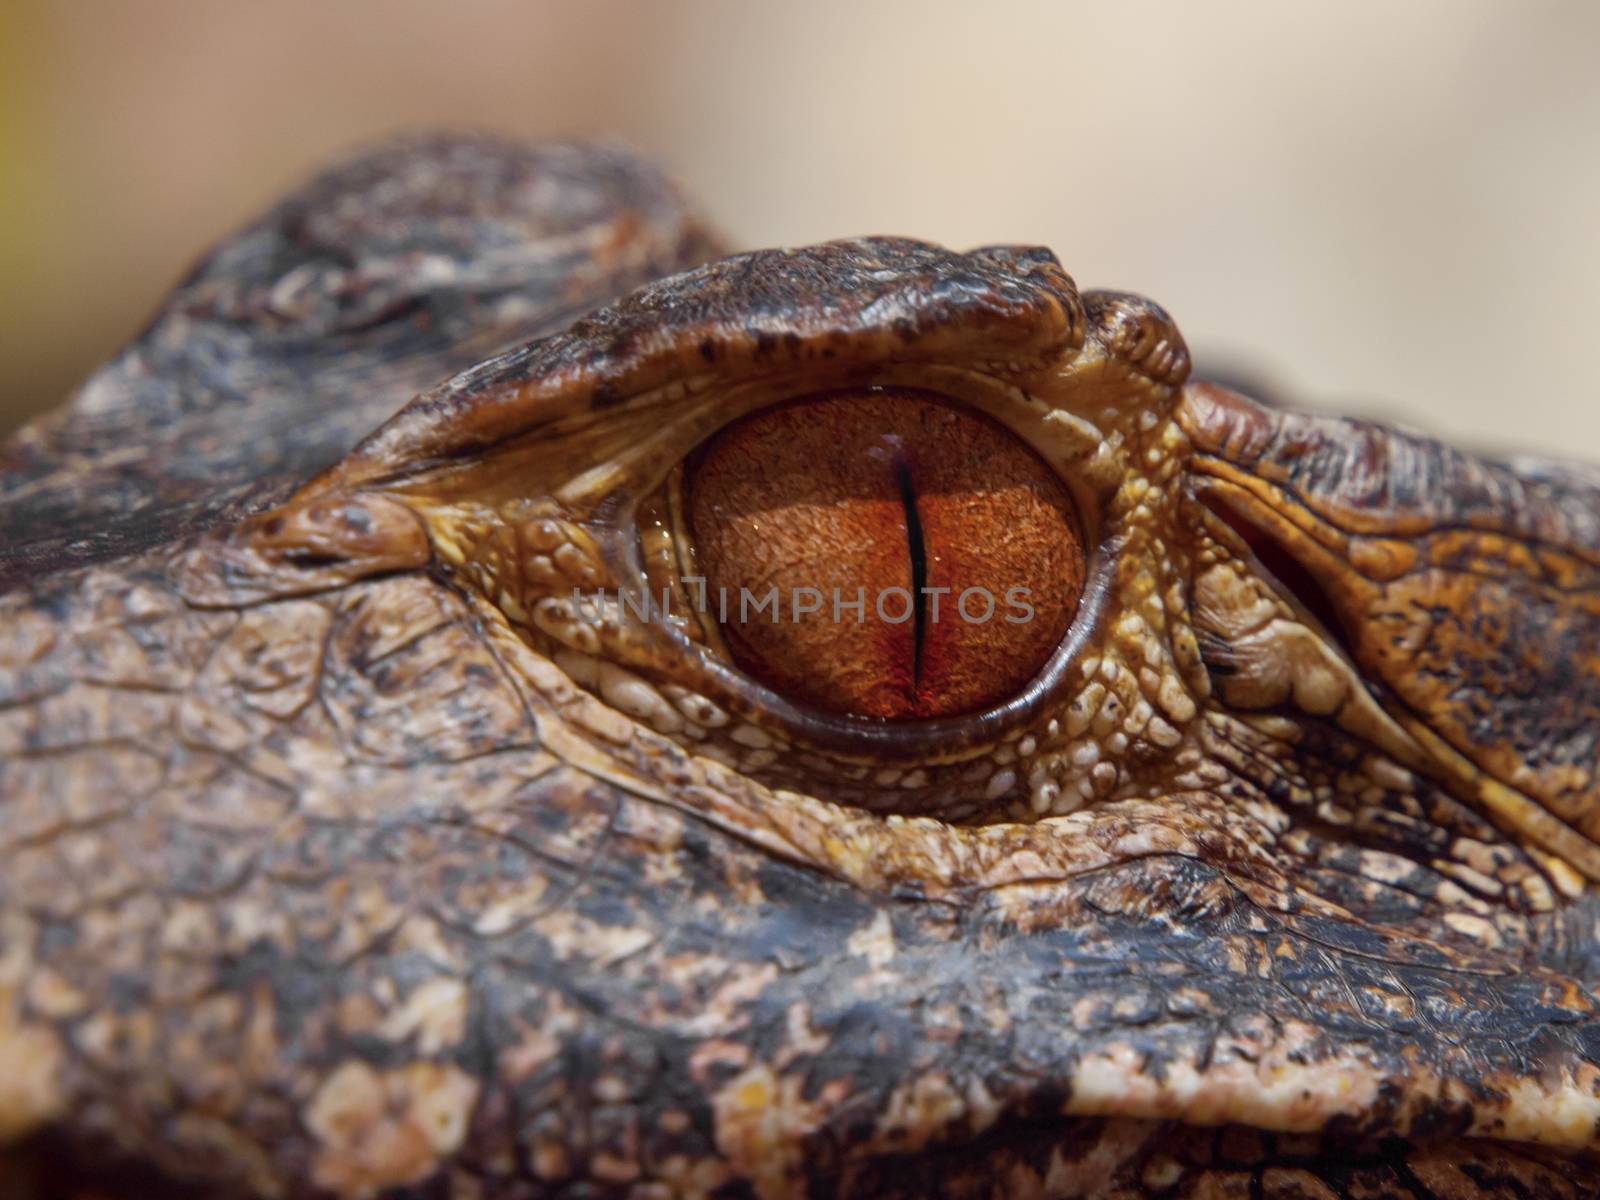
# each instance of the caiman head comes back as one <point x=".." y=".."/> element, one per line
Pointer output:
<point x="855" y="720"/>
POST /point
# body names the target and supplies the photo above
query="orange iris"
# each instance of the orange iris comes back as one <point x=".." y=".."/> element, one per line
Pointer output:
<point x="884" y="553"/>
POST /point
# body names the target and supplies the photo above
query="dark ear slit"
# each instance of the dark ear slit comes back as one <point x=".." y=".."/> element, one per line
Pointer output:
<point x="1285" y="568"/>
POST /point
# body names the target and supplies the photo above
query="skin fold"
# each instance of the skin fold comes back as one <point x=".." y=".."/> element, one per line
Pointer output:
<point x="342" y="855"/>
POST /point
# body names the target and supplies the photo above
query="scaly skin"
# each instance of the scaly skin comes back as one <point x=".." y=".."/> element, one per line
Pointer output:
<point x="338" y="856"/>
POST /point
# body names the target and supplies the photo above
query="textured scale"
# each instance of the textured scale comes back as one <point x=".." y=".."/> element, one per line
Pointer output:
<point x="341" y="856"/>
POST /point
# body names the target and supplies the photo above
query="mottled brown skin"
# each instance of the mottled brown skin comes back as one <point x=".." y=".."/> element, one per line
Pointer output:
<point x="338" y="857"/>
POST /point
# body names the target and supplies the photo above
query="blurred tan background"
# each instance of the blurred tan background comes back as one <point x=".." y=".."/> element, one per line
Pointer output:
<point x="1391" y="208"/>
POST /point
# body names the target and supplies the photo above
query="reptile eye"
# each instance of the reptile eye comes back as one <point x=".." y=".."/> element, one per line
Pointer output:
<point x="883" y="553"/>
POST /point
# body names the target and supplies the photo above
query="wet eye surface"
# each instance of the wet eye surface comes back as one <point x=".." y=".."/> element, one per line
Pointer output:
<point x="883" y="553"/>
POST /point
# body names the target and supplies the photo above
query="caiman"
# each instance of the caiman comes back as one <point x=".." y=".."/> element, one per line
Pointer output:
<point x="394" y="803"/>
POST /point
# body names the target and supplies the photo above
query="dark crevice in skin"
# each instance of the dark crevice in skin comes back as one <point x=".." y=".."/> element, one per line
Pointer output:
<point x="1284" y="567"/>
<point x="919" y="572"/>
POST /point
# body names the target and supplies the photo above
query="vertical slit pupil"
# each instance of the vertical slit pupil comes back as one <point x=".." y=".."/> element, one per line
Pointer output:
<point x="895" y="490"/>
<point x="919" y="569"/>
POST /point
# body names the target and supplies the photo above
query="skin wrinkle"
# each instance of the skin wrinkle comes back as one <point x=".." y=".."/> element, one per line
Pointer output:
<point x="1433" y="712"/>
<point x="437" y="887"/>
